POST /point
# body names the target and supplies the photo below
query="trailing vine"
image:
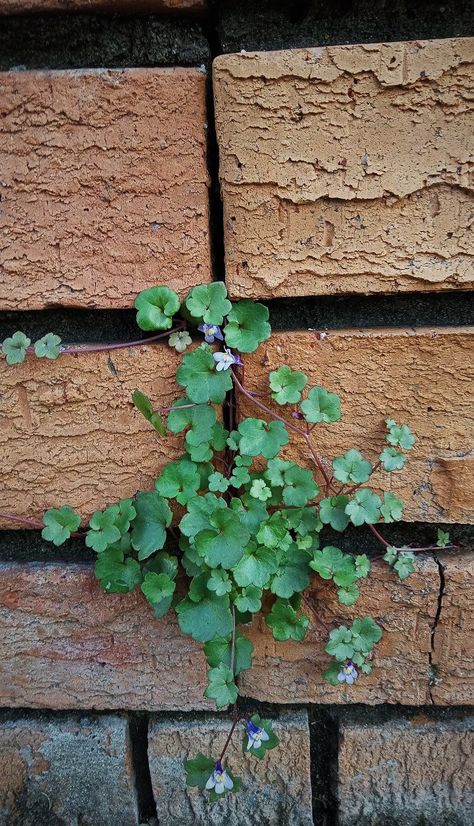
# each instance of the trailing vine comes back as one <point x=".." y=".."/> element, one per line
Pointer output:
<point x="249" y="520"/>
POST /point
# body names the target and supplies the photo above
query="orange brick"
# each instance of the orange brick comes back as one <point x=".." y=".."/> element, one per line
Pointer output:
<point x="20" y="6"/>
<point x="104" y="185"/>
<point x="453" y="656"/>
<point x="346" y="168"/>
<point x="66" y="644"/>
<point x="421" y="377"/>
<point x="71" y="435"/>
<point x="291" y="672"/>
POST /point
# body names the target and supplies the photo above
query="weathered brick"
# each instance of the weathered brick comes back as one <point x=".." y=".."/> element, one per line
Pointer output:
<point x="313" y="200"/>
<point x="66" y="770"/>
<point x="276" y="789"/>
<point x="66" y="644"/>
<point x="71" y="435"/>
<point x="423" y="377"/>
<point x="104" y="185"/>
<point x="453" y="655"/>
<point x="20" y="6"/>
<point x="406" y="773"/>
<point x="291" y="672"/>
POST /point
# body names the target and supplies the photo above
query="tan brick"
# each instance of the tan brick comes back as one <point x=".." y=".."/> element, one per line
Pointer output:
<point x="66" y="770"/>
<point x="104" y="185"/>
<point x="66" y="644"/>
<point x="71" y="435"/>
<point x="291" y="672"/>
<point x="347" y="168"/>
<point x="407" y="772"/>
<point x="20" y="6"/>
<point x="453" y="656"/>
<point x="276" y="789"/>
<point x="423" y="377"/>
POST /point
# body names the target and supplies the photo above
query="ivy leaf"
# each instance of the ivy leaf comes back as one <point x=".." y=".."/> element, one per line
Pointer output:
<point x="208" y="303"/>
<point x="204" y="620"/>
<point x="292" y="577"/>
<point x="117" y="575"/>
<point x="48" y="347"/>
<point x="287" y="385"/>
<point x="179" y="480"/>
<point x="392" y="508"/>
<point x="300" y="486"/>
<point x="162" y="563"/>
<point x="149" y="528"/>
<point x="364" y="508"/>
<point x="391" y="555"/>
<point x="405" y="564"/>
<point x="262" y="438"/>
<point x="202" y="382"/>
<point x="143" y="403"/>
<point x="252" y="512"/>
<point x="362" y="565"/>
<point x="240" y="476"/>
<point x="348" y="595"/>
<point x="15" y="347"/>
<point x="199" y="454"/>
<point x="223" y="544"/>
<point x="303" y="521"/>
<point x="159" y="590"/>
<point x="219" y="651"/>
<point x="327" y="561"/>
<point x="219" y="582"/>
<point x="199" y="417"/>
<point x="256" y="567"/>
<point x="126" y="515"/>
<point x="274" y="532"/>
<point x="365" y="633"/>
<point x="340" y="644"/>
<point x="200" y="510"/>
<point x="321" y="406"/>
<point x="392" y="459"/>
<point x="352" y="467"/>
<point x="221" y="686"/>
<point x="331" y="674"/>
<point x="198" y="770"/>
<point x="247" y="326"/>
<point x="103" y="530"/>
<point x="156" y="308"/>
<point x="249" y="600"/>
<point x="218" y="482"/>
<point x="59" y="524"/>
<point x="275" y="470"/>
<point x="180" y="340"/>
<point x="265" y="745"/>
<point x="399" y="435"/>
<point x="259" y="490"/>
<point x="443" y="538"/>
<point x="285" y="622"/>
<point x="332" y="511"/>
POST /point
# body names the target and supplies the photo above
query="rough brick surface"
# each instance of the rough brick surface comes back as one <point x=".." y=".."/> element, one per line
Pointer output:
<point x="66" y="644"/>
<point x="407" y="773"/>
<point x="313" y="200"/>
<point x="65" y="771"/>
<point x="71" y="435"/>
<point x="422" y="377"/>
<point x="104" y="185"/>
<point x="453" y="655"/>
<point x="291" y="672"/>
<point x="276" y="789"/>
<point x="19" y="6"/>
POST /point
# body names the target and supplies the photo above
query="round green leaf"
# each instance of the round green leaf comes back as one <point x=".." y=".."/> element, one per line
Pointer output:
<point x="156" y="308"/>
<point x="247" y="326"/>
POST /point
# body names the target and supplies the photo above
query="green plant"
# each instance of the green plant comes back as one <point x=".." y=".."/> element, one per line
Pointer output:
<point x="250" y="523"/>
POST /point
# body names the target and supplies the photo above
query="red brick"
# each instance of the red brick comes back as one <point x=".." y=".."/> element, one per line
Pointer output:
<point x="346" y="168"/>
<point x="65" y="644"/>
<point x="423" y="377"/>
<point x="104" y="185"/>
<point x="71" y="435"/>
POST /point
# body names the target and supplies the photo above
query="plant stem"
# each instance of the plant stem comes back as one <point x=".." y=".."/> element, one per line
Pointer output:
<point x="235" y="720"/>
<point x="32" y="523"/>
<point x="75" y="349"/>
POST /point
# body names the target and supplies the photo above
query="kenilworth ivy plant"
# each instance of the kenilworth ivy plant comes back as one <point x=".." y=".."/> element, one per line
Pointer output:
<point x="248" y="520"/>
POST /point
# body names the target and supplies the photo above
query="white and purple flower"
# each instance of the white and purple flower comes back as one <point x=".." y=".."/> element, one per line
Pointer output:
<point x="348" y="673"/>
<point x="211" y="332"/>
<point x="225" y="360"/>
<point x="256" y="735"/>
<point x="219" y="780"/>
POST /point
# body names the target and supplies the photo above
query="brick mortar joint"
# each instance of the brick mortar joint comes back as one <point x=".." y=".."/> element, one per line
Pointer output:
<point x="433" y="679"/>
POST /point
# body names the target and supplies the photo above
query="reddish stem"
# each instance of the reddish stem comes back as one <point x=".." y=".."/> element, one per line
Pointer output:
<point x="75" y="349"/>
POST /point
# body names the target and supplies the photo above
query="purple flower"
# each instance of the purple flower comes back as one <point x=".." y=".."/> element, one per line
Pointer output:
<point x="225" y="360"/>
<point x="256" y="735"/>
<point x="219" y="780"/>
<point x="348" y="673"/>
<point x="211" y="332"/>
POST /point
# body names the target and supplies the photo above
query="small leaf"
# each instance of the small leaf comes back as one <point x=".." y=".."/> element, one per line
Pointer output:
<point x="364" y="508"/>
<point x="392" y="459"/>
<point x="219" y="582"/>
<point x="144" y="405"/>
<point x="204" y="620"/>
<point x="202" y="382"/>
<point x="219" y="651"/>
<point x="48" y="347"/>
<point x="256" y="567"/>
<point x="179" y="480"/>
<point x="443" y="539"/>
<point x="399" y="435"/>
<point x="392" y="508"/>
<point x="299" y="486"/>
<point x="60" y="523"/>
<point x="287" y="385"/>
<point x="156" y="308"/>
<point x="208" y="303"/>
<point x="348" y="595"/>
<point x="103" y="530"/>
<point x="365" y="633"/>
<point x="340" y="644"/>
<point x="221" y="686"/>
<point x="405" y="564"/>
<point x="249" y="600"/>
<point x="391" y="555"/>
<point x="259" y="490"/>
<point x="218" y="482"/>
<point x="352" y="467"/>
<point x="247" y="326"/>
<point x="321" y="406"/>
<point x="224" y="542"/>
<point x="262" y="438"/>
<point x="116" y="574"/>
<point x="15" y="348"/>
<point x="180" y="340"/>
<point x="362" y="565"/>
<point x="198" y="770"/>
<point x="149" y="529"/>
<point x="285" y="622"/>
<point x="159" y="590"/>
<point x="332" y="511"/>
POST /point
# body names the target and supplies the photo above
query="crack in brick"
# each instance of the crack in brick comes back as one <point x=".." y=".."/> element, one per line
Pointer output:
<point x="433" y="678"/>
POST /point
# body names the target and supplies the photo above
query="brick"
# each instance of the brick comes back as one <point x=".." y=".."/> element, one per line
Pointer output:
<point x="313" y="201"/>
<point x="291" y="672"/>
<point x="65" y="644"/>
<point x="423" y="377"/>
<point x="20" y="6"/>
<point x="453" y="654"/>
<point x="70" y="432"/>
<point x="104" y="185"/>
<point x="276" y="789"/>
<point x="66" y="770"/>
<point x="407" y="772"/>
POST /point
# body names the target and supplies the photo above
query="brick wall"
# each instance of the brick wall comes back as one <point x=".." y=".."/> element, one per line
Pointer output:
<point x="334" y="182"/>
